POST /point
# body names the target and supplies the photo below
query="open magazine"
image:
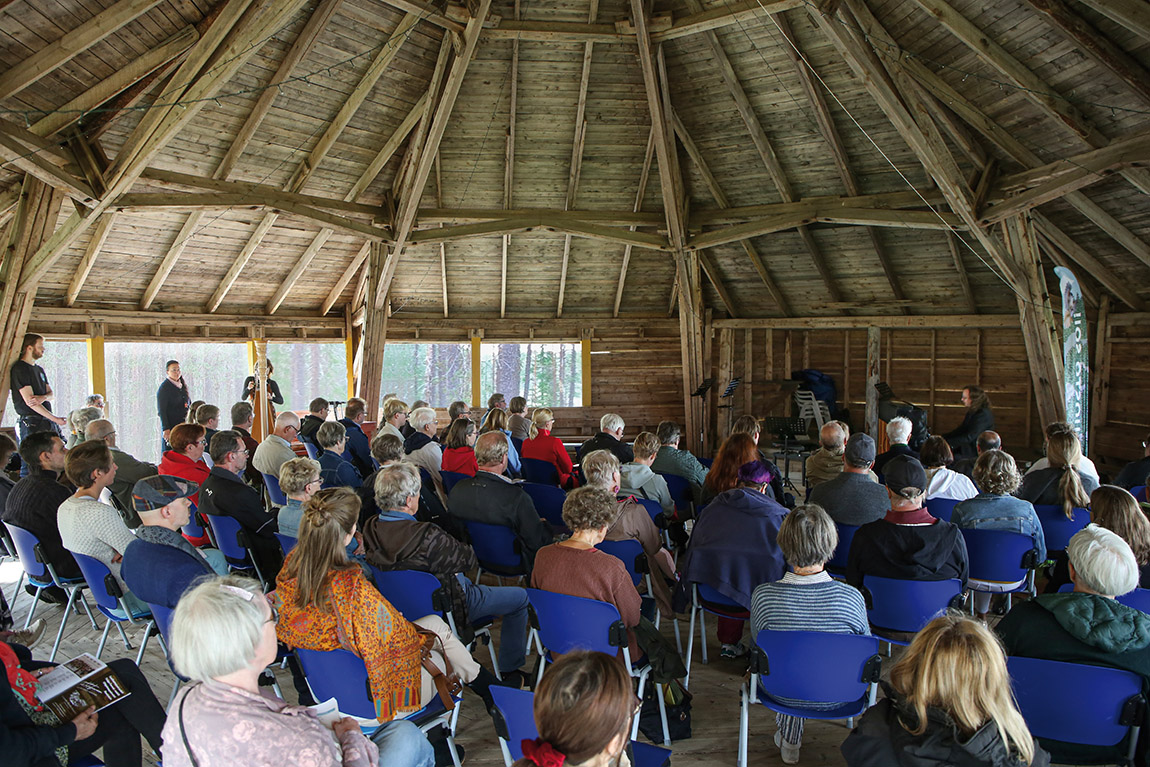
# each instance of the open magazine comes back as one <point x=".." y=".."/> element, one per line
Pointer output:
<point x="70" y="688"/>
<point x="328" y="713"/>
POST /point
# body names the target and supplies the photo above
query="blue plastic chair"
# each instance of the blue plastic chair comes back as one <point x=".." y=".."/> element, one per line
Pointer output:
<point x="540" y="471"/>
<point x="898" y="605"/>
<point x="569" y="623"/>
<point x="341" y="675"/>
<point x="631" y="554"/>
<point x="811" y="666"/>
<point x="941" y="508"/>
<point x="8" y="551"/>
<point x="838" y="563"/>
<point x="1139" y="492"/>
<point x="41" y="575"/>
<point x="1090" y="705"/>
<point x="450" y="478"/>
<point x="311" y="448"/>
<point x="272" y="483"/>
<point x="548" y="500"/>
<point x="514" y="718"/>
<point x="518" y="445"/>
<point x="704" y="599"/>
<point x="109" y="596"/>
<point x="287" y="542"/>
<point x="195" y="527"/>
<point x="233" y="542"/>
<point x="1000" y="556"/>
<point x="1057" y="530"/>
<point x="163" y="619"/>
<point x="1139" y="599"/>
<point x="497" y="549"/>
<point x="680" y="490"/>
<point x="658" y="516"/>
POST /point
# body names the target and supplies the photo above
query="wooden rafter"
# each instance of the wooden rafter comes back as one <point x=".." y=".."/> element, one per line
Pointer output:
<point x="36" y="157"/>
<point x="341" y="284"/>
<point x="644" y="176"/>
<point x="508" y="170"/>
<point x="1132" y="14"/>
<point x="99" y="235"/>
<point x="1079" y="255"/>
<point x="442" y="245"/>
<point x="960" y="267"/>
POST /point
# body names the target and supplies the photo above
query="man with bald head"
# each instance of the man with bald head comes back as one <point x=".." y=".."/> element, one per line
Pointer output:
<point x="276" y="450"/>
<point x="129" y="469"/>
<point x="826" y="463"/>
<point x="988" y="440"/>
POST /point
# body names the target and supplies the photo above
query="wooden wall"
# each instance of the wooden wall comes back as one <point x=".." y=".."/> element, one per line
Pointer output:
<point x="1120" y="417"/>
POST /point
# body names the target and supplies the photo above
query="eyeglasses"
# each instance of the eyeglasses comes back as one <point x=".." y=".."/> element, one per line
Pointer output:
<point x="245" y="451"/>
<point x="202" y="442"/>
<point x="276" y="618"/>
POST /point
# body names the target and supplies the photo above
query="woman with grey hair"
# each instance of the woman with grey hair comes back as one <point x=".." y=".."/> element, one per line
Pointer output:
<point x="806" y="599"/>
<point x="336" y="469"/>
<point x="299" y="480"/>
<point x="223" y="636"/>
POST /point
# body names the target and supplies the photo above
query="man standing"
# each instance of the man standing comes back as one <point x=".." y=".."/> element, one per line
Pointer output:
<point x="852" y="498"/>
<point x="610" y="437"/>
<point x="129" y="469"/>
<point x="242" y="417"/>
<point x="358" y="448"/>
<point x="317" y="414"/>
<point x="31" y="394"/>
<point x="276" y="450"/>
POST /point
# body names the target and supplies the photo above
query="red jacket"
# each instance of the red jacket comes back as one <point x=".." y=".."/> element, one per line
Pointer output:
<point x="544" y="447"/>
<point x="460" y="460"/>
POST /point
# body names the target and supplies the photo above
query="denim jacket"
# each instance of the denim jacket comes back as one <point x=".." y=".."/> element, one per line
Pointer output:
<point x="987" y="511"/>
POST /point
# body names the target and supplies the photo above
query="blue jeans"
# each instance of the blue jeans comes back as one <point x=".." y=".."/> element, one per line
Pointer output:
<point x="402" y="744"/>
<point x="508" y="602"/>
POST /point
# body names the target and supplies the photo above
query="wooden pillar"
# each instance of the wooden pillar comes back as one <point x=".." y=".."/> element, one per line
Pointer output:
<point x="97" y="377"/>
<point x="476" y="369"/>
<point x="374" y="331"/>
<point x="846" y="369"/>
<point x="693" y="343"/>
<point x="1100" y="376"/>
<point x="722" y="416"/>
<point x="32" y="225"/>
<point x="872" y="366"/>
<point x="748" y="371"/>
<point x="585" y="375"/>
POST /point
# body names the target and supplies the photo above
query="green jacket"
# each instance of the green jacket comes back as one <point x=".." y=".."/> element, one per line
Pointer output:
<point x="671" y="460"/>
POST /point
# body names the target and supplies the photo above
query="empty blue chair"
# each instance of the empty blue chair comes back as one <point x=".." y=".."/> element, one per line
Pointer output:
<point x="109" y="596"/>
<point x="1001" y="556"/>
<point x="341" y="675"/>
<point x="813" y="666"/>
<point x="233" y="542"/>
<point x="497" y="549"/>
<point x="680" y="490"/>
<point x="548" y="500"/>
<point x="272" y="483"/>
<point x="898" y="605"/>
<point x="569" y="623"/>
<point x="450" y="478"/>
<point x="941" y="508"/>
<point x="1077" y="703"/>
<point x="287" y="542"/>
<point x="543" y="472"/>
<point x="1139" y="599"/>
<point x="41" y="575"/>
<point x="1056" y="528"/>
<point x="838" y="563"/>
<point x="704" y="599"/>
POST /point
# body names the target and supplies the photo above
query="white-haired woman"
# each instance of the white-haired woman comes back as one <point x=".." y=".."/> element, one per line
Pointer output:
<point x="223" y="636"/>
<point x="299" y="480"/>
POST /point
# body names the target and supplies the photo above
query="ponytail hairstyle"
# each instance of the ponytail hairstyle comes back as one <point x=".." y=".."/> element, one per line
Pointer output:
<point x="957" y="665"/>
<point x="1113" y="508"/>
<point x="539" y="419"/>
<point x="191" y="418"/>
<point x="1063" y="450"/>
<point x="328" y="518"/>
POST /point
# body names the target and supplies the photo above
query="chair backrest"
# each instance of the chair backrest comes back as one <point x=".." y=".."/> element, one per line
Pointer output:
<point x="537" y="470"/>
<point x="1139" y="492"/>
<point x="515" y="721"/>
<point x="713" y="597"/>
<point x="904" y="605"/>
<point x="1084" y="706"/>
<point x="518" y="443"/>
<point x="818" y="667"/>
<point x="630" y="553"/>
<point x="846" y="535"/>
<point x="287" y="542"/>
<point x="654" y="510"/>
<point x="941" y="508"/>
<point x="569" y="623"/>
<point x="311" y="448"/>
<point x="272" y="483"/>
<point x="413" y="592"/>
<point x="163" y="617"/>
<point x="1057" y="530"/>
<point x="26" y="546"/>
<point x="548" y="500"/>
<point x="193" y="529"/>
<point x="680" y="490"/>
<point x="228" y="532"/>
<point x="496" y="547"/>
<point x="999" y="555"/>
<point x="450" y="478"/>
<point x="1139" y="599"/>
<point x="101" y="582"/>
<point x="341" y="675"/>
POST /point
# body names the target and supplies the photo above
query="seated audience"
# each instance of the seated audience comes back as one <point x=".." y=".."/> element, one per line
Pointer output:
<point x="543" y="446"/>
<point x="225" y="494"/>
<point x="749" y="425"/>
<point x="948" y="702"/>
<point x="826" y="463"/>
<point x="977" y="419"/>
<point x="492" y="498"/>
<point x="186" y="458"/>
<point x="34" y="501"/>
<point x="1116" y="510"/>
<point x="299" y="480"/>
<point x="358" y="448"/>
<point x="33" y="736"/>
<point x="942" y="481"/>
<point x="908" y="543"/>
<point x="633" y="523"/>
<point x="395" y="540"/>
<point x="806" y="599"/>
<point x="328" y="603"/>
<point x="129" y="469"/>
<point x="394" y="418"/>
<point x="610" y="437"/>
<point x="495" y="402"/>
<point x="853" y="497"/>
<point x="458" y="409"/>
<point x="316" y="415"/>
<point x="387" y="450"/>
<point x="243" y="417"/>
<point x="988" y="440"/>
<point x="459" y="448"/>
<point x="584" y="709"/>
<point x="734" y="548"/>
<point x="496" y="420"/>
<point x="407" y="429"/>
<point x="421" y="448"/>
<point x="192" y="409"/>
<point x="517" y="419"/>
<point x="223" y="637"/>
<point x="1135" y="473"/>
<point x="898" y="431"/>
<point x="996" y="508"/>
<point x="276" y="449"/>
<point x="88" y="526"/>
<point x="1086" y="626"/>
<point x="78" y="421"/>
<point x="336" y="468"/>
<point x="681" y="463"/>
<point x="1060" y="484"/>
<point x="160" y="564"/>
<point x="208" y="416"/>
<point x="1084" y="465"/>
<point x="576" y="568"/>
<point x="738" y="450"/>
<point x="636" y="478"/>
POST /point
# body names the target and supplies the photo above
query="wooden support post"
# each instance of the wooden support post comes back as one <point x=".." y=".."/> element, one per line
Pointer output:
<point x="933" y="366"/>
<point x="1100" y="376"/>
<point x="769" y="353"/>
<point x="787" y="366"/>
<point x="726" y="372"/>
<point x="370" y="381"/>
<point x="846" y="369"/>
<point x="476" y="370"/>
<point x="748" y="370"/>
<point x="585" y="375"/>
<point x="97" y="378"/>
<point x="872" y="359"/>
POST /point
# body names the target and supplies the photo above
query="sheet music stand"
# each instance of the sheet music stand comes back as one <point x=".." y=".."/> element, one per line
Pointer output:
<point x="787" y="429"/>
<point x="730" y="406"/>
<point x="701" y="393"/>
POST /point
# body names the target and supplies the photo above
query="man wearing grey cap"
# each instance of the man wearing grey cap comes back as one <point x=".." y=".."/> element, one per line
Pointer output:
<point x="853" y="498"/>
<point x="908" y="543"/>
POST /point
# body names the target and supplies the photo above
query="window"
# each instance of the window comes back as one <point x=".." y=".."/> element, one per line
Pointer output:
<point x="548" y="375"/>
<point x="66" y="365"/>
<point x="306" y="371"/>
<point x="436" y="373"/>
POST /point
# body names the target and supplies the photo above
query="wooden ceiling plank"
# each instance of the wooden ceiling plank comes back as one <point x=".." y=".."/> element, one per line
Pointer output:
<point x="99" y="236"/>
<point x="1132" y="14"/>
<point x="644" y="176"/>
<point x="341" y="284"/>
<point x="508" y="169"/>
<point x="1059" y="239"/>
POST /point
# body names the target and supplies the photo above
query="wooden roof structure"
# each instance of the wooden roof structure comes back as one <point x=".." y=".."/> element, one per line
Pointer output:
<point x="591" y="160"/>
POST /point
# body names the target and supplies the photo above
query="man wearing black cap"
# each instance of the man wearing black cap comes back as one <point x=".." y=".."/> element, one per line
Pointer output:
<point x="908" y="543"/>
<point x="853" y="498"/>
<point x="160" y="564"/>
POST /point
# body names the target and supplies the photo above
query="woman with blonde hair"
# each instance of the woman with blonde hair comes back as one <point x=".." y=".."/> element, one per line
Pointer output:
<point x="497" y="420"/>
<point x="948" y="702"/>
<point x="1061" y="484"/>
<point x="1119" y="512"/>
<point x="542" y="446"/>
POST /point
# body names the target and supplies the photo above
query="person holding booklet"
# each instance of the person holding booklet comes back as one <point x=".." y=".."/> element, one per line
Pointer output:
<point x="33" y="735"/>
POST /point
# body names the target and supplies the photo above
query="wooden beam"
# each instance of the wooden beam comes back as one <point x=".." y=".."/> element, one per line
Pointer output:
<point x="387" y="151"/>
<point x="960" y="268"/>
<point x="726" y="14"/>
<point x="508" y="171"/>
<point x="35" y="163"/>
<point x="48" y="315"/>
<point x="374" y="333"/>
<point x="430" y="13"/>
<point x="99" y="236"/>
<point x="885" y="321"/>
<point x="870" y="416"/>
<point x="298" y="270"/>
<point x="443" y="245"/>
<point x="1132" y="14"/>
<point x="644" y="176"/>
<point x="1059" y="239"/>
<point x="716" y="280"/>
<point x="239" y="193"/>
<point x="341" y="284"/>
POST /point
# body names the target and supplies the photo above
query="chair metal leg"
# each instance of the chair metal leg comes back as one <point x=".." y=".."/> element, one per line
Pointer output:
<point x="507" y="760"/>
<point x="103" y="639"/>
<point x="494" y="659"/>
<point x="744" y="725"/>
<point x="120" y="628"/>
<point x="678" y="639"/>
<point x="663" y="715"/>
<point x="148" y="628"/>
<point x="63" y="622"/>
<point x="690" y="648"/>
<point x="703" y="632"/>
<point x="35" y="604"/>
<point x="84" y="603"/>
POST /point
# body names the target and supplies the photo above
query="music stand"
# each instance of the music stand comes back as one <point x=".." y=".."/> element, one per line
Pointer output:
<point x="727" y="394"/>
<point x="788" y="429"/>
<point x="701" y="392"/>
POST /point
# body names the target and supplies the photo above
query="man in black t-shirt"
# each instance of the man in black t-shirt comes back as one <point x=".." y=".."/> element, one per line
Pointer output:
<point x="31" y="394"/>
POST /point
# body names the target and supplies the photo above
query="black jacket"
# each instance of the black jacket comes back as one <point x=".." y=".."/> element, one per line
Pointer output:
<point x="172" y="404"/>
<point x="605" y="441"/>
<point x="225" y="494"/>
<point x="492" y="499"/>
<point x="928" y="553"/>
<point x="962" y="440"/>
<point x="894" y="452"/>
<point x="308" y="428"/>
<point x="33" y="505"/>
